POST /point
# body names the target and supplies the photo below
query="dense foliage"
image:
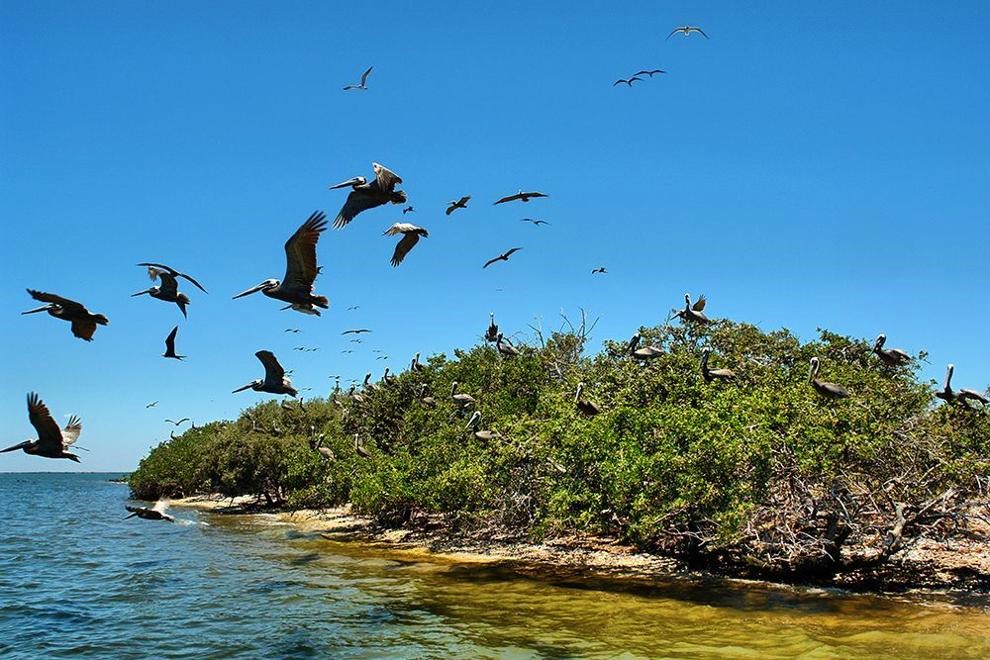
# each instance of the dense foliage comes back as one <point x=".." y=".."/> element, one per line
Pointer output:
<point x="761" y="472"/>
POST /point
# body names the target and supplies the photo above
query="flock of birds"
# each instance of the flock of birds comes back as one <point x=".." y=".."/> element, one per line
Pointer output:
<point x="296" y="290"/>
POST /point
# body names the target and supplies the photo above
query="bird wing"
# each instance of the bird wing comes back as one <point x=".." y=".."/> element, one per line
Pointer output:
<point x="403" y="247"/>
<point x="700" y="303"/>
<point x="701" y="32"/>
<point x="273" y="370"/>
<point x="491" y="261"/>
<point x="539" y="194"/>
<point x="64" y="303"/>
<point x="84" y="329"/>
<point x="169" y="284"/>
<point x="511" y="252"/>
<point x="71" y="431"/>
<point x="154" y="270"/>
<point x="300" y="253"/>
<point x="400" y="228"/>
<point x="387" y="179"/>
<point x="364" y="76"/>
<point x="358" y="200"/>
<point x="49" y="435"/>
<point x="673" y="32"/>
<point x="170" y="340"/>
<point x="510" y="198"/>
<point x="620" y="80"/>
<point x="161" y="506"/>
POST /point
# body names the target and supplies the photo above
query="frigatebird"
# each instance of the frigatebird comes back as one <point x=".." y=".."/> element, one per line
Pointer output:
<point x="170" y="345"/>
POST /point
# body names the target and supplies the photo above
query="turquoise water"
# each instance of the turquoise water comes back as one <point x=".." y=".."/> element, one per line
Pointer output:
<point x="76" y="579"/>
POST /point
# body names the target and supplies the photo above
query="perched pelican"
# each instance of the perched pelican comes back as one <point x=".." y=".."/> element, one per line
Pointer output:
<point x="462" y="401"/>
<point x="83" y="321"/>
<point x="502" y="257"/>
<point x="535" y="222"/>
<point x="504" y="347"/>
<point x="491" y="334"/>
<point x="154" y="513"/>
<point x="316" y="444"/>
<point x="359" y="447"/>
<point x="415" y="365"/>
<point x="178" y="422"/>
<point x="474" y="423"/>
<point x="628" y="81"/>
<point x="364" y="81"/>
<point x="693" y="312"/>
<point x="892" y="357"/>
<point x="599" y="271"/>
<point x="52" y="441"/>
<point x="522" y="197"/>
<point x="275" y="381"/>
<point x="587" y="408"/>
<point x="364" y="195"/>
<point x="827" y="390"/>
<point x="649" y="73"/>
<point x="949" y="395"/>
<point x="687" y="30"/>
<point x="425" y="398"/>
<point x="410" y="236"/>
<point x="714" y="374"/>
<point x="170" y="345"/>
<point x="300" y="270"/>
<point x="168" y="290"/>
<point x="645" y="353"/>
<point x="457" y="204"/>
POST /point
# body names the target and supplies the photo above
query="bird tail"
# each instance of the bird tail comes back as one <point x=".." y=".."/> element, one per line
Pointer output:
<point x="321" y="301"/>
<point x="398" y="197"/>
<point x="102" y="320"/>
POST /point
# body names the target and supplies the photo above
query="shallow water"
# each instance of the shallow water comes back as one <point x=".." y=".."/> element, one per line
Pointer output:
<point x="76" y="579"/>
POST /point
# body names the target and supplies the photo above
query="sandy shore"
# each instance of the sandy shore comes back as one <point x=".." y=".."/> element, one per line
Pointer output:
<point x="960" y="570"/>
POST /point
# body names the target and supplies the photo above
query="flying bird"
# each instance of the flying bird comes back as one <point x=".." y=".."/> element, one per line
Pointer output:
<point x="356" y="331"/>
<point x="152" y="404"/>
<point x="687" y="30"/>
<point x="154" y="513"/>
<point x="600" y="270"/>
<point x="168" y="289"/>
<point x="353" y="307"/>
<point x="535" y="222"/>
<point x="365" y="195"/>
<point x="83" y="322"/>
<point x="408" y="209"/>
<point x="649" y="73"/>
<point x="293" y="330"/>
<point x="364" y="81"/>
<point x="522" y="197"/>
<point x="301" y="270"/>
<point x="410" y="236"/>
<point x="178" y="422"/>
<point x="627" y="81"/>
<point x="170" y="345"/>
<point x="502" y="257"/>
<point x="52" y="441"/>
<point x="457" y="204"/>
<point x="275" y="380"/>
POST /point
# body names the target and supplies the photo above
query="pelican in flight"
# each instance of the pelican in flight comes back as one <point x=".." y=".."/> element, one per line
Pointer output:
<point x="364" y="81"/>
<point x="168" y="290"/>
<point x="949" y="395"/>
<point x="156" y="512"/>
<point x="522" y="197"/>
<point x="52" y="441"/>
<point x="365" y="195"/>
<point x="628" y="81"/>
<point x="827" y="390"/>
<point x="709" y="375"/>
<point x="457" y="204"/>
<point x="693" y="312"/>
<point x="170" y="345"/>
<point x="410" y="236"/>
<point x="300" y="270"/>
<point x="83" y="321"/>
<point x="687" y="30"/>
<point x="587" y="408"/>
<point x="502" y="257"/>
<point x="275" y="380"/>
<point x="892" y="357"/>
<point x="645" y="353"/>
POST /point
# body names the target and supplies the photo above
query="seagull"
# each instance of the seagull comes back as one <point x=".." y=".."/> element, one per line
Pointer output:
<point x="502" y="257"/>
<point x="410" y="236"/>
<point x="408" y="209"/>
<point x="600" y="269"/>
<point x="357" y="331"/>
<point x="457" y="204"/>
<point x="179" y="422"/>
<point x="364" y="81"/>
<point x="156" y="512"/>
<point x="649" y="73"/>
<point x="365" y="195"/>
<point x="170" y="345"/>
<point x="535" y="222"/>
<point x="628" y="82"/>
<point x="687" y="30"/>
<point x="521" y="196"/>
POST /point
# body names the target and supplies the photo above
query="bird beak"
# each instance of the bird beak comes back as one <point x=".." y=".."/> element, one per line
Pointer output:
<point x="346" y="184"/>
<point x="16" y="447"/>
<point x="35" y="311"/>
<point x="253" y="289"/>
<point x="141" y="293"/>
<point x="241" y="389"/>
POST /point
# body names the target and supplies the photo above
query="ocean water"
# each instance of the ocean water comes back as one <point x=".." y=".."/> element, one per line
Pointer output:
<point x="78" y="580"/>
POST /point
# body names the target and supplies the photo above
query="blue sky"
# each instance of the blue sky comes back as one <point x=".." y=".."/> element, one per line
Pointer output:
<point x="810" y="165"/>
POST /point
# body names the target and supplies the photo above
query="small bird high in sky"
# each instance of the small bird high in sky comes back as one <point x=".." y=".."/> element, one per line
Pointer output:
<point x="535" y="222"/>
<point x="502" y="257"/>
<point x="363" y="85"/>
<point x="177" y="422"/>
<point x="522" y="197"/>
<point x="170" y="345"/>
<point x="168" y="291"/>
<point x="365" y="195"/>
<point x="410" y="236"/>
<point x="627" y="81"/>
<point x="83" y="321"/>
<point x="599" y="271"/>
<point x="52" y="441"/>
<point x="687" y="30"/>
<point x="355" y="331"/>
<point x="457" y="204"/>
<point x="649" y="72"/>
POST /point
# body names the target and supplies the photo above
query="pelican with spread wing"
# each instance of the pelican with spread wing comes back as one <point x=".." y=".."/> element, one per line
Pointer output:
<point x="168" y="290"/>
<point x="300" y="270"/>
<point x="156" y="512"/>
<point x="410" y="236"/>
<point x="83" y="321"/>
<point x="52" y="441"/>
<point x="366" y="195"/>
<point x="275" y="380"/>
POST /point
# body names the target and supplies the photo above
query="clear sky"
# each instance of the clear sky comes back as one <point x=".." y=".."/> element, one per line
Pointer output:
<point x="811" y="165"/>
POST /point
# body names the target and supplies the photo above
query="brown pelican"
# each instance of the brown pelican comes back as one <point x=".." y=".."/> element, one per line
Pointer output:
<point x="522" y="197"/>
<point x="52" y="441"/>
<point x="275" y="381"/>
<point x="714" y="374"/>
<point x="415" y="365"/>
<point x="168" y="290"/>
<point x="457" y="204"/>
<point x="949" y="395"/>
<point x="587" y="408"/>
<point x="645" y="353"/>
<point x="364" y="81"/>
<point x="504" y="347"/>
<point x="359" y="448"/>
<point x="649" y="73"/>
<point x="364" y="195"/>
<point x="599" y="271"/>
<point x="300" y="270"/>
<point x="474" y="423"/>
<point x="627" y="81"/>
<point x="892" y="357"/>
<point x="356" y="331"/>
<point x="316" y="444"/>
<point x="693" y="312"/>
<point x="178" y="422"/>
<point x="410" y="236"/>
<point x="535" y="222"/>
<point x="827" y="390"/>
<point x="502" y="257"/>
<point x="462" y="401"/>
<point x="170" y="345"/>
<point x="82" y="320"/>
<point x="687" y="30"/>
<point x="155" y="513"/>
<point x="425" y="398"/>
<point x="491" y="334"/>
